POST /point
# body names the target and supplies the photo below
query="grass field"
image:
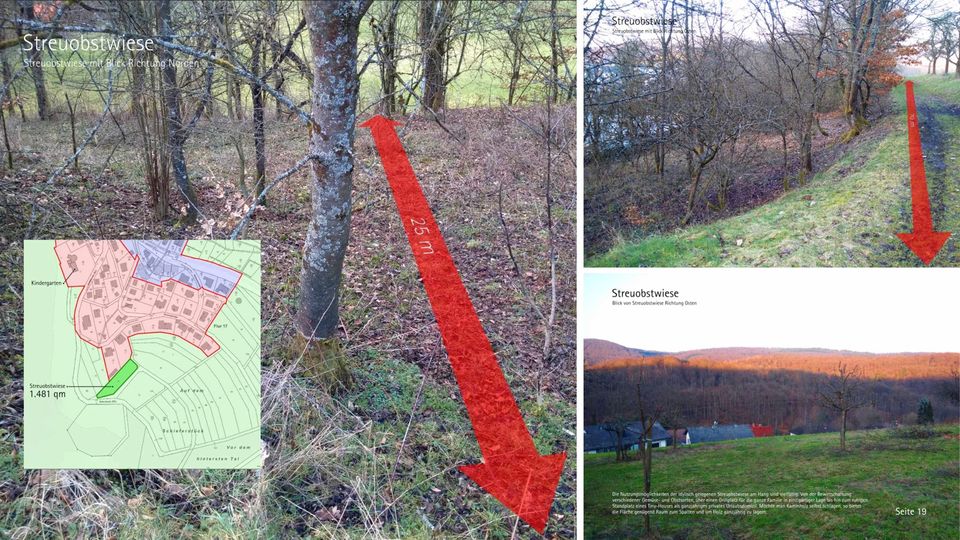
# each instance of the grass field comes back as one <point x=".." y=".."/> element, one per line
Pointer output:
<point x="887" y="469"/>
<point x="846" y="215"/>
<point x="947" y="88"/>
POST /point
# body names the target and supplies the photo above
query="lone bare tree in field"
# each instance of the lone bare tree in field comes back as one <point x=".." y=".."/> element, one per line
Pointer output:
<point x="333" y="28"/>
<point x="649" y="414"/>
<point x="843" y="395"/>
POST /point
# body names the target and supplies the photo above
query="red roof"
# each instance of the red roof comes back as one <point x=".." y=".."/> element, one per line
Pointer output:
<point x="760" y="430"/>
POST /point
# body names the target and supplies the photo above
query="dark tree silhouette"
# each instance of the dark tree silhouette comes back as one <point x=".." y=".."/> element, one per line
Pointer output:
<point x="925" y="412"/>
<point x="843" y="395"/>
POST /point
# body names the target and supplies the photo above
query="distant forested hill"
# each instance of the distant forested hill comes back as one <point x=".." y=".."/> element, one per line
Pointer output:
<point x="779" y="387"/>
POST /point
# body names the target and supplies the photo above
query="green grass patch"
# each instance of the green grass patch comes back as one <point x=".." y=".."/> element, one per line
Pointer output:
<point x="422" y="450"/>
<point x="118" y="379"/>
<point x="945" y="87"/>
<point x="888" y="470"/>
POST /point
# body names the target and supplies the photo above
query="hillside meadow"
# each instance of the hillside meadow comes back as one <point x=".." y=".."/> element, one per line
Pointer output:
<point x="889" y="468"/>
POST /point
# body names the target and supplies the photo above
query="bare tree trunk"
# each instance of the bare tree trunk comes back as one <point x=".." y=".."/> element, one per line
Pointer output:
<point x="554" y="54"/>
<point x="154" y="168"/>
<point x="73" y="133"/>
<point x="645" y="448"/>
<point x="11" y="96"/>
<point x="515" y="36"/>
<point x="333" y="28"/>
<point x="151" y="115"/>
<point x="224" y="35"/>
<point x="35" y="60"/>
<point x="647" y="475"/>
<point x="429" y="64"/>
<point x="843" y="430"/>
<point x="7" y="78"/>
<point x="234" y="95"/>
<point x="237" y="96"/>
<point x="6" y="140"/>
<point x="230" y="112"/>
<point x="434" y="30"/>
<point x="854" y="99"/>
<point x="660" y="149"/>
<point x="386" y="41"/>
<point x="278" y="78"/>
<point x="171" y="96"/>
<point x="148" y="111"/>
<point x="259" y="139"/>
<point x="806" y="149"/>
<point x="551" y="243"/>
<point x="786" y="175"/>
<point x="660" y="153"/>
<point x="695" y="177"/>
<point x="863" y="25"/>
<point x="241" y="178"/>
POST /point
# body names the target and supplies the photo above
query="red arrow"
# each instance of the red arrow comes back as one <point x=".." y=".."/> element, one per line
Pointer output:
<point x="923" y="241"/>
<point x="512" y="469"/>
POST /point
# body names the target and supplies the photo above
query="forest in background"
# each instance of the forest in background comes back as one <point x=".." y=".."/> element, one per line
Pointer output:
<point x="242" y="123"/>
<point x="252" y="61"/>
<point x="776" y="387"/>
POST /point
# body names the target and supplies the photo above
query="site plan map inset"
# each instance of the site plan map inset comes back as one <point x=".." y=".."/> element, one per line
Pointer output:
<point x="141" y="354"/>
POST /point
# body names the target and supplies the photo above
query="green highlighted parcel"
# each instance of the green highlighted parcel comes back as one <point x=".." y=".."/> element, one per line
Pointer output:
<point x="118" y="379"/>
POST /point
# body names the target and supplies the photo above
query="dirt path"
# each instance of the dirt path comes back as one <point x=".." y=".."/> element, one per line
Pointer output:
<point x="935" y="142"/>
<point x="940" y="172"/>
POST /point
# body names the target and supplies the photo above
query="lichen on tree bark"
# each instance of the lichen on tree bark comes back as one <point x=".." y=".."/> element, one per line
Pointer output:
<point x="333" y="28"/>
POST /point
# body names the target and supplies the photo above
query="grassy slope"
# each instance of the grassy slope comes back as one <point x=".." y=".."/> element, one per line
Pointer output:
<point x="845" y="216"/>
<point x="890" y="472"/>
<point x="947" y="88"/>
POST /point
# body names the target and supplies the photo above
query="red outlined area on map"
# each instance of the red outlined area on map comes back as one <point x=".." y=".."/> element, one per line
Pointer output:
<point x="115" y="305"/>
